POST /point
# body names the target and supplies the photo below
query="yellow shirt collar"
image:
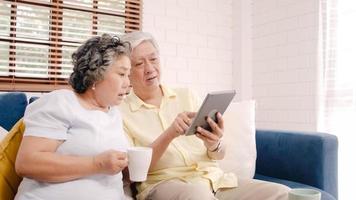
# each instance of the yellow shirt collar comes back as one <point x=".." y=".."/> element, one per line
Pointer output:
<point x="135" y="102"/>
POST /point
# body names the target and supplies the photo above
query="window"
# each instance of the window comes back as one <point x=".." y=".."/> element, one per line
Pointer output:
<point x="339" y="84"/>
<point x="37" y="37"/>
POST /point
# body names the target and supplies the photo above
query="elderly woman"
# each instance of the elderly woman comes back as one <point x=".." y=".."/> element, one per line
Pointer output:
<point x="182" y="167"/>
<point x="73" y="145"/>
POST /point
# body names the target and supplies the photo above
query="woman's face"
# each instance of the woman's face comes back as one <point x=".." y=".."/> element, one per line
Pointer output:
<point x="113" y="88"/>
<point x="145" y="71"/>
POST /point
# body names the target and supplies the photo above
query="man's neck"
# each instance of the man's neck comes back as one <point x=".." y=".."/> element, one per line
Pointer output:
<point x="153" y="97"/>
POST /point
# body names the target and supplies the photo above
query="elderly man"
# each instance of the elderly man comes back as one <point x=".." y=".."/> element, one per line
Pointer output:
<point x="182" y="167"/>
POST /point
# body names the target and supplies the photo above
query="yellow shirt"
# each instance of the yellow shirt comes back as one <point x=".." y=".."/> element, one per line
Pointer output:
<point x="186" y="157"/>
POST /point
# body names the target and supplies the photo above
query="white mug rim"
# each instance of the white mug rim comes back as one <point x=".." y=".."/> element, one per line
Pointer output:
<point x="139" y="148"/>
<point x="305" y="192"/>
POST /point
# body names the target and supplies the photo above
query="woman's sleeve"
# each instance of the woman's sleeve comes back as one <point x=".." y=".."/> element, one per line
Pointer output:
<point x="48" y="117"/>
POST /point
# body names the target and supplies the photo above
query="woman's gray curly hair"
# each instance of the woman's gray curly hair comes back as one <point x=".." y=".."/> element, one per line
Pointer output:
<point x="93" y="58"/>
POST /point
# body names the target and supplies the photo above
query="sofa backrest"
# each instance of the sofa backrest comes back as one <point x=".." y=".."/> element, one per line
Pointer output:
<point x="12" y="108"/>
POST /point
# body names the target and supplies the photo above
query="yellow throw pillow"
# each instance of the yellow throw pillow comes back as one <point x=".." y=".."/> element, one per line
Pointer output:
<point x="9" y="180"/>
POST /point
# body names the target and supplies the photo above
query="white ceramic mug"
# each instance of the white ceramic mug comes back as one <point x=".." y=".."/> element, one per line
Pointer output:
<point x="304" y="194"/>
<point x="139" y="162"/>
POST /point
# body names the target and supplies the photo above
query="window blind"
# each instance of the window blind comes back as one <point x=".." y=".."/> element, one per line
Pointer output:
<point x="37" y="37"/>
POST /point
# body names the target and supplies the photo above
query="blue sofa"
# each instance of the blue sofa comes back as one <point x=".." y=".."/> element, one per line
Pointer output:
<point x="299" y="160"/>
<point x="295" y="159"/>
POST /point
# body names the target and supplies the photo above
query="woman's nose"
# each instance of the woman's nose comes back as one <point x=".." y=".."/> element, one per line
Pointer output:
<point x="127" y="82"/>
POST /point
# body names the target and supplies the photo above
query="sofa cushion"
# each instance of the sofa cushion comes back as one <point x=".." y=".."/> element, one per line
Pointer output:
<point x="292" y="184"/>
<point x="9" y="180"/>
<point x="239" y="137"/>
<point x="12" y="107"/>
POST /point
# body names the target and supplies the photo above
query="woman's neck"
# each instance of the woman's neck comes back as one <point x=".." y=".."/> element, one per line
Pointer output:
<point x="88" y="101"/>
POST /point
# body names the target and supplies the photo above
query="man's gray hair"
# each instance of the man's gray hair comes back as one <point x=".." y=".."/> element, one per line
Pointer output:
<point x="137" y="37"/>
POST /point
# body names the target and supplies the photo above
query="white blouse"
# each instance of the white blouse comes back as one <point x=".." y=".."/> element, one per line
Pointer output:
<point x="59" y="115"/>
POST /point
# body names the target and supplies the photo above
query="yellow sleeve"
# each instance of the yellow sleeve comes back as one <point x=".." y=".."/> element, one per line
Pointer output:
<point x="195" y="100"/>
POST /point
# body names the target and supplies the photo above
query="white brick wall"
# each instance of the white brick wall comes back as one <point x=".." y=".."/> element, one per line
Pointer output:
<point x="284" y="46"/>
<point x="266" y="49"/>
<point x="195" y="41"/>
<point x="242" y="48"/>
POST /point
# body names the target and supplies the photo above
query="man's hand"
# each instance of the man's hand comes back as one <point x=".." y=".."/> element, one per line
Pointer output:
<point x="212" y="139"/>
<point x="181" y="123"/>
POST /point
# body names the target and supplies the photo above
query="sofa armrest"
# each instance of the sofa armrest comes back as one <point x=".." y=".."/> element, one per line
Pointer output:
<point x="309" y="158"/>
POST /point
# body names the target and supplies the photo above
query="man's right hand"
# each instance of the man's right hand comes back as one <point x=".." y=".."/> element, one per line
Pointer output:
<point x="110" y="162"/>
<point x="181" y="123"/>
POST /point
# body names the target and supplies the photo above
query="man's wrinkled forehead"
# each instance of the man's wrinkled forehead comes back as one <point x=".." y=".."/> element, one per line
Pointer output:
<point x="144" y="50"/>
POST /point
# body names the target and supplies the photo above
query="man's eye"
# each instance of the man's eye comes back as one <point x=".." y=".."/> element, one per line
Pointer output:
<point x="154" y="59"/>
<point x="139" y="64"/>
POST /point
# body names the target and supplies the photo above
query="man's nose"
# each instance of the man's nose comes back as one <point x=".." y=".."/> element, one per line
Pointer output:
<point x="149" y="67"/>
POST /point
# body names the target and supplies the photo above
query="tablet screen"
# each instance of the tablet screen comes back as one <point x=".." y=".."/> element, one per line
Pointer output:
<point x="214" y="102"/>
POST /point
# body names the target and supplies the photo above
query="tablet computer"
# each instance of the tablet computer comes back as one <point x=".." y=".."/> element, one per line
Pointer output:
<point x="214" y="102"/>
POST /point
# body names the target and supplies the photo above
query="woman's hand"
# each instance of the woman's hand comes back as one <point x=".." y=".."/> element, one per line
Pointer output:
<point x="181" y="123"/>
<point x="110" y="162"/>
<point x="212" y="139"/>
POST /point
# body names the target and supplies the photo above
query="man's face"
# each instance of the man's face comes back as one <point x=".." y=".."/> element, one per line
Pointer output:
<point x="145" y="70"/>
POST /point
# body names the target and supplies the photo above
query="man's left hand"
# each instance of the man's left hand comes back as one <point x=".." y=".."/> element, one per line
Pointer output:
<point x="212" y="139"/>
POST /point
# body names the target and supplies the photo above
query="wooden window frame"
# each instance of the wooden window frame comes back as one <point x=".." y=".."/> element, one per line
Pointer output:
<point x="132" y="16"/>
